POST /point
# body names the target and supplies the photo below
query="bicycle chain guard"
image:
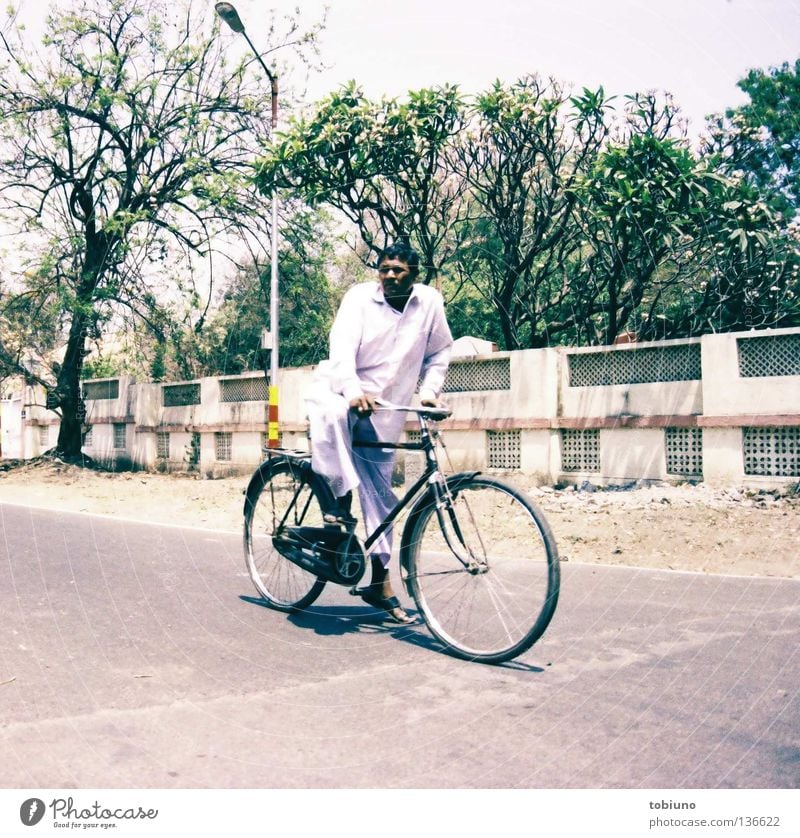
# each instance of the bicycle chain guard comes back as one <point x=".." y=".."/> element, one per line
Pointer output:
<point x="330" y="553"/>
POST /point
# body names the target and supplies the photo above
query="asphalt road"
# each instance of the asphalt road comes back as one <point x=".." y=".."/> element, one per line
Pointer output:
<point x="136" y="656"/>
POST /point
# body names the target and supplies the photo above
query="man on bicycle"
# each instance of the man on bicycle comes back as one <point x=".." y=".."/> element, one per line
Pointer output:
<point x="387" y="337"/>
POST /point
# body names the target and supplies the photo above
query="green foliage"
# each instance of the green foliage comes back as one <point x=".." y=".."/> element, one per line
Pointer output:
<point x="469" y="312"/>
<point x="552" y="218"/>
<point x="158" y="366"/>
<point x="230" y="342"/>
<point x="102" y="367"/>
<point x="232" y="339"/>
<point x="643" y="212"/>
<point x="752" y="268"/>
<point x="760" y="141"/>
<point x="527" y="145"/>
<point x="754" y="274"/>
<point x="381" y="163"/>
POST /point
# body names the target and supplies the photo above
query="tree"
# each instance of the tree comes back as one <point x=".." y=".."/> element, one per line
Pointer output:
<point x="231" y="340"/>
<point x="28" y="331"/>
<point x="754" y="268"/>
<point x="644" y="209"/>
<point x="382" y="164"/>
<point x="547" y="218"/>
<point x="750" y="268"/>
<point x="761" y="139"/>
<point x="127" y="136"/>
<point x="528" y="144"/>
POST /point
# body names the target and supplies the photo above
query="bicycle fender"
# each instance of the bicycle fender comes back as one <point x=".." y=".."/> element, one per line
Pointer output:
<point x="423" y="502"/>
<point x="461" y="477"/>
<point x="262" y="474"/>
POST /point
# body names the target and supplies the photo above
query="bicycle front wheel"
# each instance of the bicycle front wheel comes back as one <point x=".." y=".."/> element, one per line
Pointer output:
<point x="484" y="573"/>
<point x="283" y="493"/>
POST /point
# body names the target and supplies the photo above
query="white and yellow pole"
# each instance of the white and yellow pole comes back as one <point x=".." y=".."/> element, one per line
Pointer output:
<point x="228" y="13"/>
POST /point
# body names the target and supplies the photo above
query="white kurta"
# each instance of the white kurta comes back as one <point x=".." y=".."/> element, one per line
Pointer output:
<point x="377" y="350"/>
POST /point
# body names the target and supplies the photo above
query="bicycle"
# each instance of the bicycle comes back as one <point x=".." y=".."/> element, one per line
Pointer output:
<point x="477" y="556"/>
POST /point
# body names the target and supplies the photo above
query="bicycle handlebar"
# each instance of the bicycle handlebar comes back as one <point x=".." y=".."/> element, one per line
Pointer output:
<point x="435" y="413"/>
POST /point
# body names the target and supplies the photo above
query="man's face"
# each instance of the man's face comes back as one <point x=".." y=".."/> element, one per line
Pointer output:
<point x="396" y="278"/>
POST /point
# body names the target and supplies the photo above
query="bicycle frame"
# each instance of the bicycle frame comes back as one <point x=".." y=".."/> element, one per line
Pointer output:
<point x="440" y="486"/>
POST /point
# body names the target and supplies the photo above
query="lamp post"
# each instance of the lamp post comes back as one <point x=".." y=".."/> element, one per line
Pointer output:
<point x="228" y="13"/>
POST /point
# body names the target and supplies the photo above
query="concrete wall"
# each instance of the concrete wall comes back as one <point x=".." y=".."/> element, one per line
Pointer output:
<point x="632" y="425"/>
<point x="11" y="428"/>
<point x="726" y="393"/>
<point x="658" y="398"/>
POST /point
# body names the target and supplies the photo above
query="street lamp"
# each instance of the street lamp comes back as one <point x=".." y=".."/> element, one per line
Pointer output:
<point x="228" y="13"/>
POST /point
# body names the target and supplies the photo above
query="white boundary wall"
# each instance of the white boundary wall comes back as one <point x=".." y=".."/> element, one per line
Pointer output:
<point x="722" y="408"/>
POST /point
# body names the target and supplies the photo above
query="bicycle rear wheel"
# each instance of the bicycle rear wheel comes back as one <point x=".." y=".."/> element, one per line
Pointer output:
<point x="283" y="493"/>
<point x="499" y="608"/>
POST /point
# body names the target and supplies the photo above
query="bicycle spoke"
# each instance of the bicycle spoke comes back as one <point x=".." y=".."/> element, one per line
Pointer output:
<point x="455" y="570"/>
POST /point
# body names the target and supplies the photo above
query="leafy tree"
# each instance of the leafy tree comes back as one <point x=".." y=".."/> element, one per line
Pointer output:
<point x="103" y="367"/>
<point x="383" y="164"/>
<point x="644" y="210"/>
<point x="548" y="219"/>
<point x="469" y="310"/>
<point x="28" y="332"/>
<point x="750" y="274"/>
<point x="124" y="137"/>
<point x="760" y="140"/>
<point x="528" y="144"/>
<point x="231" y="341"/>
<point x="754" y="268"/>
<point x="678" y="249"/>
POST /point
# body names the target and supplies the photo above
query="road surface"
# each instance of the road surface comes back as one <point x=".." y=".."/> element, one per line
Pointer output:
<point x="137" y="656"/>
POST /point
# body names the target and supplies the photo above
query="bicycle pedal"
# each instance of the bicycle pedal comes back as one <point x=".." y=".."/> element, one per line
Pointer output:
<point x="343" y="519"/>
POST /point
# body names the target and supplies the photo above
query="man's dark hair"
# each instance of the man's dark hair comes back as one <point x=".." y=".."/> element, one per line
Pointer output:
<point x="404" y="252"/>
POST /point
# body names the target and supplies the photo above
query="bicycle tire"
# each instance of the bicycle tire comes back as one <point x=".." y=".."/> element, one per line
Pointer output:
<point x="497" y="614"/>
<point x="275" y="486"/>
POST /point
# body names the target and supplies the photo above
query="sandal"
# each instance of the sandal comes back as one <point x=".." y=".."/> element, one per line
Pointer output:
<point x="389" y="604"/>
<point x="340" y="513"/>
<point x="339" y="516"/>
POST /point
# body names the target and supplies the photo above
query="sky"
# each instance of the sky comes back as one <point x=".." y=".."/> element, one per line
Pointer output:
<point x="696" y="49"/>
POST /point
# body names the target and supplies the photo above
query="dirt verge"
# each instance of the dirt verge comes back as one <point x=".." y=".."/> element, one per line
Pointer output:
<point x="695" y="528"/>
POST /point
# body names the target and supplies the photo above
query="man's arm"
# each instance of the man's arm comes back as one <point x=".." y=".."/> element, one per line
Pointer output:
<point x="345" y="337"/>
<point x="437" y="357"/>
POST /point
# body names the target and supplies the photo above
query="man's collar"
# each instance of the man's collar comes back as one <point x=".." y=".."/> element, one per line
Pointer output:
<point x="377" y="293"/>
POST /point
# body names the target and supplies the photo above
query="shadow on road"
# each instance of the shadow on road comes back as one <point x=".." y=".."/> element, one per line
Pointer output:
<point x="333" y="620"/>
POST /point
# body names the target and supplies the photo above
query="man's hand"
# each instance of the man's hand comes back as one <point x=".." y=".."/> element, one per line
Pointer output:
<point x="364" y="404"/>
<point x="432" y="403"/>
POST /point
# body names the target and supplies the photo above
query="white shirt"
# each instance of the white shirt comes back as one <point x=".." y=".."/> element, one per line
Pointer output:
<point x="378" y="350"/>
